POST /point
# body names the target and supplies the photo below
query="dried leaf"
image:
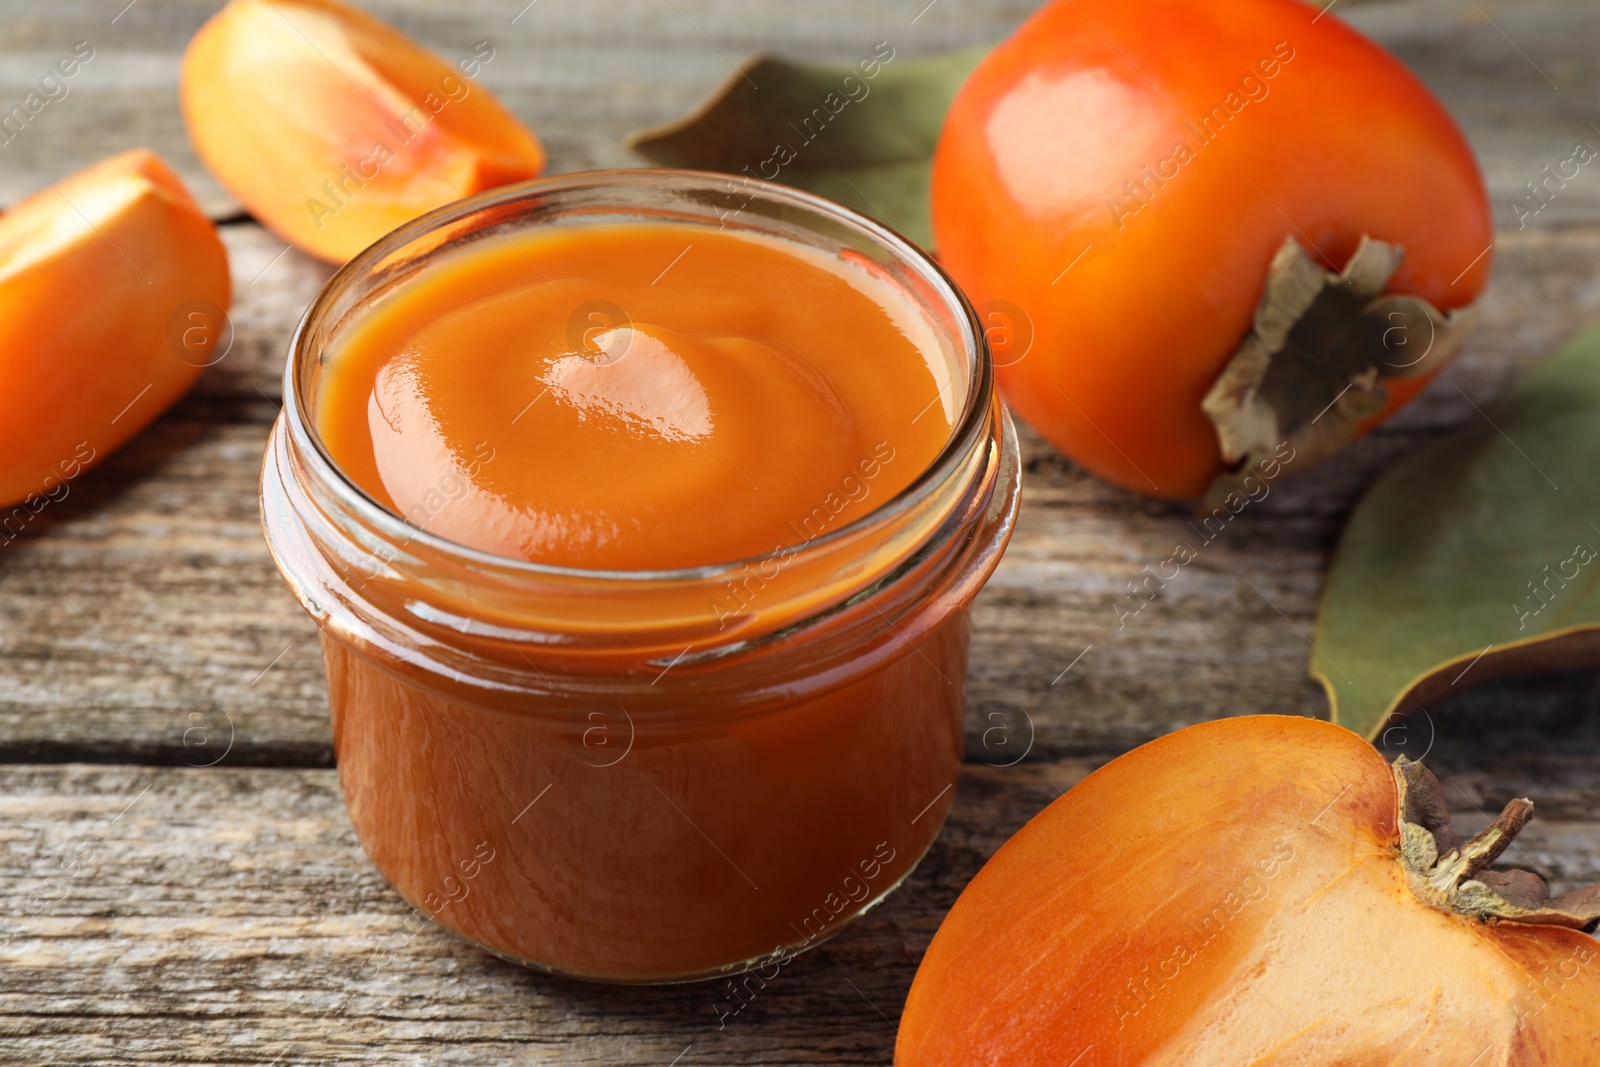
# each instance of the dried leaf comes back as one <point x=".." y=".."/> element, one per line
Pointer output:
<point x="1475" y="557"/>
<point x="863" y="139"/>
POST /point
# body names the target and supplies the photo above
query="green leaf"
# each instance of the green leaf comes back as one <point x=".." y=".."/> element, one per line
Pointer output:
<point x="866" y="142"/>
<point x="1475" y="557"/>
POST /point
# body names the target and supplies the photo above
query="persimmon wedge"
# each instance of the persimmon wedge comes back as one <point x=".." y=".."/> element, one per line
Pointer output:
<point x="114" y="289"/>
<point x="1262" y="890"/>
<point x="333" y="128"/>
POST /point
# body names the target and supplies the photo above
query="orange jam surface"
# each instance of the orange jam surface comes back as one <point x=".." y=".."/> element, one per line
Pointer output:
<point x="636" y="396"/>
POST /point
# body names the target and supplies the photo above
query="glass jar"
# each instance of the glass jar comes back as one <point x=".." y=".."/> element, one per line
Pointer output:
<point x="647" y="776"/>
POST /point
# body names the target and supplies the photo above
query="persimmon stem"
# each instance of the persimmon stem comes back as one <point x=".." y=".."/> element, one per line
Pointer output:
<point x="1488" y="845"/>
<point x="1312" y="367"/>
<point x="1454" y="877"/>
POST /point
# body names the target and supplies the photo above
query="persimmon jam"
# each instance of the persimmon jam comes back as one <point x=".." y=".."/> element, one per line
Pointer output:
<point x="636" y="396"/>
<point x="641" y="513"/>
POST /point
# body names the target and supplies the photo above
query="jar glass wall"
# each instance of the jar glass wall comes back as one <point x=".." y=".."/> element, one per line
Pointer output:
<point x="647" y="776"/>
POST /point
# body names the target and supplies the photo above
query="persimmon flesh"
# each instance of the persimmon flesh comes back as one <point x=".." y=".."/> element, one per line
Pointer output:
<point x="1121" y="176"/>
<point x="113" y="293"/>
<point x="333" y="128"/>
<point x="1261" y="890"/>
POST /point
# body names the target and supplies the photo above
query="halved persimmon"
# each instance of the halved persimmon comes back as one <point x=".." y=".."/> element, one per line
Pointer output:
<point x="1262" y="890"/>
<point x="114" y="291"/>
<point x="332" y="128"/>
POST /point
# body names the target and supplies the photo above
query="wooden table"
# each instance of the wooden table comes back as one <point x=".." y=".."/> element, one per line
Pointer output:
<point x="156" y="910"/>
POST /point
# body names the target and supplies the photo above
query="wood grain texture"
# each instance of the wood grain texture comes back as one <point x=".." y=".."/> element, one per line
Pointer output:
<point x="228" y="916"/>
<point x="147" y="595"/>
<point x="161" y="915"/>
<point x="581" y="72"/>
<point x="585" y="72"/>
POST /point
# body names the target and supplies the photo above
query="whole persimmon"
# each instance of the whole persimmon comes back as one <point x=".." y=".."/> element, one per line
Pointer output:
<point x="114" y="291"/>
<point x="1129" y="176"/>
<point x="1261" y="890"/>
<point x="333" y="127"/>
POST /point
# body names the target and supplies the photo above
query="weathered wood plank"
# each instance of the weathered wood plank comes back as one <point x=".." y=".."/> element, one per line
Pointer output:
<point x="583" y="79"/>
<point x="273" y="285"/>
<point x="175" y="608"/>
<point x="145" y="599"/>
<point x="580" y="74"/>
<point x="228" y="916"/>
<point x="1520" y="79"/>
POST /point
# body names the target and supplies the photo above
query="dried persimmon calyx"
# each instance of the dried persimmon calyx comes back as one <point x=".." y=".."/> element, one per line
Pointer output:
<point x="1313" y="365"/>
<point x="1452" y="875"/>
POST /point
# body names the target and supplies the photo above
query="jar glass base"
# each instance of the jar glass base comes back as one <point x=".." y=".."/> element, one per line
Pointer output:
<point x="780" y="957"/>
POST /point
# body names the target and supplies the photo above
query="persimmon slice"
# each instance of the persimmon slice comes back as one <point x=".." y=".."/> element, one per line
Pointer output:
<point x="114" y="289"/>
<point x="333" y="128"/>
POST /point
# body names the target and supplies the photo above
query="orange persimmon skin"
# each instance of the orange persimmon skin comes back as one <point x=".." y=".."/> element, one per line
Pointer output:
<point x="1230" y="894"/>
<point x="113" y="289"/>
<point x="1138" y="296"/>
<point x="333" y="128"/>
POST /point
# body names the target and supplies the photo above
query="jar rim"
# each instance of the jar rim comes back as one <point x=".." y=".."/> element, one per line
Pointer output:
<point x="968" y="429"/>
